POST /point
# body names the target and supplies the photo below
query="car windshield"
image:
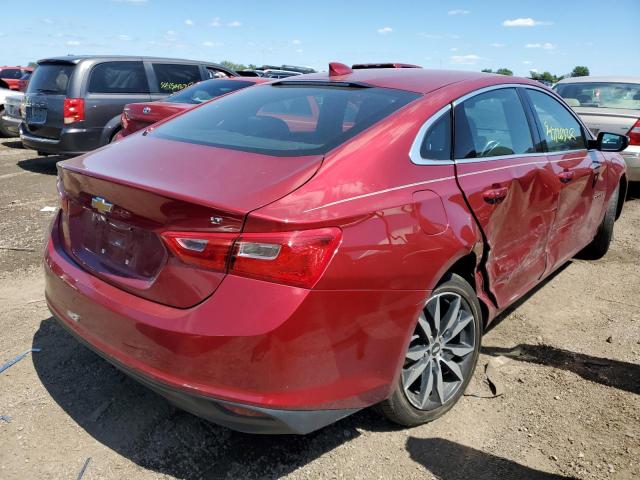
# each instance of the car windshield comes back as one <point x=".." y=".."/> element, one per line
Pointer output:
<point x="51" y="78"/>
<point x="204" y="91"/>
<point x="287" y="118"/>
<point x="601" y="94"/>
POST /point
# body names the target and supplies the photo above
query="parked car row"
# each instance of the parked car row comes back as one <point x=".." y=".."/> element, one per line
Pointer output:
<point x="294" y="251"/>
<point x="15" y="78"/>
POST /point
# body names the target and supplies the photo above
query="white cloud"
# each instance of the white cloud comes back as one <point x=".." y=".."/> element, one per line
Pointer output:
<point x="527" y="62"/>
<point x="545" y="46"/>
<point x="524" y="22"/>
<point x="535" y="70"/>
<point x="48" y="21"/>
<point x="189" y="23"/>
<point x="72" y="43"/>
<point x="454" y="49"/>
<point x="498" y="45"/>
<point x="385" y="30"/>
<point x="296" y="42"/>
<point x="458" y="12"/>
<point x="234" y="24"/>
<point x="209" y="43"/>
<point x="124" y="38"/>
<point x="215" y="22"/>
<point x="465" y="59"/>
<point x="299" y="50"/>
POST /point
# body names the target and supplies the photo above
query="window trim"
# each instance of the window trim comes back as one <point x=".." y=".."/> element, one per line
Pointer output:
<point x="416" y="147"/>
<point x="416" y="158"/>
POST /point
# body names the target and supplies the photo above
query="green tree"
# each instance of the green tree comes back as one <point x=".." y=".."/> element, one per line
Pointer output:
<point x="486" y="70"/>
<point x="580" y="71"/>
<point x="546" y="76"/>
<point x="504" y="71"/>
<point x="233" y="66"/>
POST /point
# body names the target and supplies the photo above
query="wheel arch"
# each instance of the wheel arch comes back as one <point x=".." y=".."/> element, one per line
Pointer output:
<point x="466" y="266"/>
<point x="110" y="129"/>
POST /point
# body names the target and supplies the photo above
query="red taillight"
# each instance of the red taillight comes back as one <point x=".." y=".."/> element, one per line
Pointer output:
<point x="294" y="258"/>
<point x="73" y="110"/>
<point x="209" y="251"/>
<point x="634" y="134"/>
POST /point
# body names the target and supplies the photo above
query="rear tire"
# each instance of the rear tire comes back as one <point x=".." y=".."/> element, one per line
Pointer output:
<point x="599" y="246"/>
<point x="446" y="352"/>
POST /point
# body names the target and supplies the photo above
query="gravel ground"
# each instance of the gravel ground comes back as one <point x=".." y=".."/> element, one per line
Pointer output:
<point x="566" y="359"/>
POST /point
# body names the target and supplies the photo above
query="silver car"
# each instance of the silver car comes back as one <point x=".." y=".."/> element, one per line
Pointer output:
<point x="608" y="104"/>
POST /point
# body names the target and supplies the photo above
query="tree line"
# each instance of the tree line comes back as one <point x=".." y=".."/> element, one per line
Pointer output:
<point x="578" y="71"/>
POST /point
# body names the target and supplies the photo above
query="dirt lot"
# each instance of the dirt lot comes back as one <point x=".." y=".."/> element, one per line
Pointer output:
<point x="568" y="360"/>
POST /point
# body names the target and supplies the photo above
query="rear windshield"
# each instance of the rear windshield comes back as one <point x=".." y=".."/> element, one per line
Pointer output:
<point x="289" y="119"/>
<point x="51" y="78"/>
<point x="203" y="91"/>
<point x="601" y="94"/>
<point x="12" y="73"/>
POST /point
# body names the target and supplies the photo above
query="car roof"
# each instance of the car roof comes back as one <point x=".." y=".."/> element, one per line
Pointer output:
<point x="605" y="79"/>
<point x="78" y="58"/>
<point x="411" y="79"/>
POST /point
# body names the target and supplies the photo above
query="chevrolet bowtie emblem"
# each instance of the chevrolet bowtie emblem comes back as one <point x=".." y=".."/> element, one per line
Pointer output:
<point x="101" y="205"/>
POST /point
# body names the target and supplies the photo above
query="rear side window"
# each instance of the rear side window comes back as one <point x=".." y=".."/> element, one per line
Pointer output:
<point x="207" y="90"/>
<point x="172" y="77"/>
<point x="559" y="128"/>
<point x="267" y="118"/>
<point x="437" y="141"/>
<point x="118" y="77"/>
<point x="492" y="124"/>
<point x="51" y="78"/>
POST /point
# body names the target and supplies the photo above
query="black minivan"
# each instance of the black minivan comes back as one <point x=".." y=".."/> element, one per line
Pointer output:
<point x="73" y="104"/>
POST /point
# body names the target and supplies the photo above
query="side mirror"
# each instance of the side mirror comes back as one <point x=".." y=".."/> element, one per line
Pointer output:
<point x="609" y="142"/>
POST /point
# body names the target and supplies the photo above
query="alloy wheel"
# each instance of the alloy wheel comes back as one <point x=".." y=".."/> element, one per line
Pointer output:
<point x="440" y="354"/>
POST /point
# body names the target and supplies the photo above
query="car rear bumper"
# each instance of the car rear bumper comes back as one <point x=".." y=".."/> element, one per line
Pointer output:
<point x="11" y="124"/>
<point x="72" y="141"/>
<point x="303" y="358"/>
<point x="632" y="158"/>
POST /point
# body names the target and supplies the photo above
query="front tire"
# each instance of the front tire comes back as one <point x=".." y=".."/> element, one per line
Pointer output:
<point x="599" y="246"/>
<point x="441" y="357"/>
<point x="3" y="131"/>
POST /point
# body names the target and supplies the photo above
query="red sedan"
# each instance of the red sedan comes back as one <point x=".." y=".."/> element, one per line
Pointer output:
<point x="137" y="116"/>
<point x="10" y="76"/>
<point x="274" y="275"/>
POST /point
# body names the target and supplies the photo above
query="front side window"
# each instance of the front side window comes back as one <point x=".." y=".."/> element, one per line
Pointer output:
<point x="173" y="77"/>
<point x="271" y="119"/>
<point x="560" y="129"/>
<point x="492" y="124"/>
<point x="118" y="77"/>
<point x="437" y="141"/>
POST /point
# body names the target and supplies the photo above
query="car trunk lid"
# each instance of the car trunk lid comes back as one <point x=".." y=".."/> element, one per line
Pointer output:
<point x="141" y="115"/>
<point x="609" y="120"/>
<point x="117" y="202"/>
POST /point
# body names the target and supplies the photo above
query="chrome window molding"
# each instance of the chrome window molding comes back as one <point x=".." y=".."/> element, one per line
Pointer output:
<point x="416" y="157"/>
<point x="416" y="146"/>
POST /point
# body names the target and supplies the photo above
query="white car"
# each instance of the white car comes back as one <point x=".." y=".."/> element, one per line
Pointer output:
<point x="9" y="112"/>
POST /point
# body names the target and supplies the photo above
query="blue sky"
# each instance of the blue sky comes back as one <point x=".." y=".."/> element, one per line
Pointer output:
<point x="458" y="34"/>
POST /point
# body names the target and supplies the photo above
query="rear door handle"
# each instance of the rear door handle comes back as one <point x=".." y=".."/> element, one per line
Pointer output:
<point x="566" y="177"/>
<point x="494" y="196"/>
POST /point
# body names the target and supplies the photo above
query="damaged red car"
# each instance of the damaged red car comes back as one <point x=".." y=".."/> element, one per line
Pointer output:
<point x="290" y="254"/>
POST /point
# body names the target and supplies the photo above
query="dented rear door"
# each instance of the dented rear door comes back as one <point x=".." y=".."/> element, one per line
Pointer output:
<point x="509" y="186"/>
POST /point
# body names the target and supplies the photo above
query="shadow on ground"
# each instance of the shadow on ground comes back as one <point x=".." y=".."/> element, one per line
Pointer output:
<point x="143" y="427"/>
<point x="46" y="165"/>
<point x="611" y="373"/>
<point x="12" y="143"/>
<point x="452" y="461"/>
